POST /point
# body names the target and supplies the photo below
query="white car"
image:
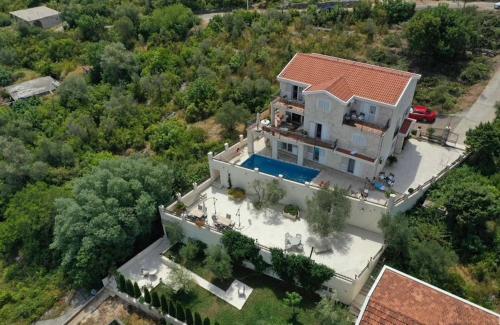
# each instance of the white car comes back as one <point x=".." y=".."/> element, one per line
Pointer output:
<point x="496" y="5"/>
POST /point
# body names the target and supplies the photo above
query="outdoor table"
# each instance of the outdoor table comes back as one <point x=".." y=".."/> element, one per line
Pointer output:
<point x="197" y="213"/>
<point x="294" y="241"/>
<point x="224" y="221"/>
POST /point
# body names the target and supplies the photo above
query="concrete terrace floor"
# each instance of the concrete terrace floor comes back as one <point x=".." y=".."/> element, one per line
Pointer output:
<point x="351" y="249"/>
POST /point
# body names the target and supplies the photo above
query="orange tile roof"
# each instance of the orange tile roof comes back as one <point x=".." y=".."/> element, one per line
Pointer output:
<point x="345" y="79"/>
<point x="399" y="299"/>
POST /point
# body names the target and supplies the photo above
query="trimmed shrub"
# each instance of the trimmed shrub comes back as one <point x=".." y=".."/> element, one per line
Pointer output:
<point x="477" y="70"/>
<point x="147" y="296"/>
<point x="197" y="319"/>
<point x="129" y="288"/>
<point x="164" y="304"/>
<point x="206" y="321"/>
<point x="122" y="283"/>
<point x="172" y="311"/>
<point x="181" y="315"/>
<point x="137" y="290"/>
<point x="155" y="299"/>
<point x="189" y="317"/>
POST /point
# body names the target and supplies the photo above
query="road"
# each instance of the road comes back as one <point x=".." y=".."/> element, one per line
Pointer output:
<point x="483" y="110"/>
<point x="421" y="4"/>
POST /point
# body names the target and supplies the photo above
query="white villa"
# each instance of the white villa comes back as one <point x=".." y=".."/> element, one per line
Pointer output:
<point x="335" y="124"/>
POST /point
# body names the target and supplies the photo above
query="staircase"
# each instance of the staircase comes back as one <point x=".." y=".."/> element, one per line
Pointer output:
<point x="358" y="301"/>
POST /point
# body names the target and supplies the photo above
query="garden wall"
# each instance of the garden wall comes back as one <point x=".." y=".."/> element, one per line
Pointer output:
<point x="346" y="288"/>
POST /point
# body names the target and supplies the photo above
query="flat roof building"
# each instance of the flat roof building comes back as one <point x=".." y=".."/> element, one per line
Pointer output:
<point x="36" y="87"/>
<point x="42" y="16"/>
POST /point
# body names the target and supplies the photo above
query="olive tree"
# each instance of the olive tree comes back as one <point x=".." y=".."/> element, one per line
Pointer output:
<point x="327" y="211"/>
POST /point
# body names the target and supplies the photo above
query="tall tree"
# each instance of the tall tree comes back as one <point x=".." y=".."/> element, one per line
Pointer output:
<point x="112" y="208"/>
<point x="230" y="115"/>
<point x="219" y="262"/>
<point x="327" y="211"/>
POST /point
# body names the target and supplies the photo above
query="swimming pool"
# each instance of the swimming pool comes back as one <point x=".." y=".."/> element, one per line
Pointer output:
<point x="275" y="167"/>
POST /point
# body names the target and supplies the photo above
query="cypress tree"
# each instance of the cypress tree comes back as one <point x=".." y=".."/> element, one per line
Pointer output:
<point x="137" y="290"/>
<point x="147" y="296"/>
<point x="155" y="300"/>
<point x="180" y="313"/>
<point x="122" y="285"/>
<point x="164" y="304"/>
<point x="189" y="317"/>
<point x="171" y="310"/>
<point x="129" y="288"/>
<point x="206" y="321"/>
<point x="197" y="319"/>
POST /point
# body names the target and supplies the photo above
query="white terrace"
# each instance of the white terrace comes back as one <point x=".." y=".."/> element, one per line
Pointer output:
<point x="417" y="163"/>
<point x="351" y="249"/>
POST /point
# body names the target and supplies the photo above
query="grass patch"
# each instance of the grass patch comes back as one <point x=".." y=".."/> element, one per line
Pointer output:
<point x="264" y="306"/>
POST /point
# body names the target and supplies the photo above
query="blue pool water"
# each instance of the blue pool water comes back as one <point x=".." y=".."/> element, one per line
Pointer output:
<point x="275" y="167"/>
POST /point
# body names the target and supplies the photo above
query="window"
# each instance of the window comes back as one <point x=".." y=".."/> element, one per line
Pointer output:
<point x="297" y="93"/>
<point x="324" y="105"/>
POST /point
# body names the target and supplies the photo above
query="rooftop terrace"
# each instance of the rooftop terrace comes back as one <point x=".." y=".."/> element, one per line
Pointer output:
<point x="350" y="250"/>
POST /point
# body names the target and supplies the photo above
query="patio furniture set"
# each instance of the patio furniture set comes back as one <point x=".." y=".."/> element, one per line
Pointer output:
<point x="149" y="274"/>
<point x="223" y="223"/>
<point x="200" y="213"/>
<point x="381" y="183"/>
<point x="293" y="242"/>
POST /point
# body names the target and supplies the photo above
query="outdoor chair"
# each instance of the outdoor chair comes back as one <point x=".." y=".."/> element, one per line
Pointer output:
<point x="241" y="291"/>
<point x="228" y="215"/>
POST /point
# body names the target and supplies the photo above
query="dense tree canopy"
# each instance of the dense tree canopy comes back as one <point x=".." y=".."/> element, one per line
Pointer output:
<point x="440" y="34"/>
<point x="327" y="211"/>
<point x="112" y="209"/>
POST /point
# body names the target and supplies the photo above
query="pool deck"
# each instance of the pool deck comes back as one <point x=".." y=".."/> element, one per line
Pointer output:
<point x="417" y="163"/>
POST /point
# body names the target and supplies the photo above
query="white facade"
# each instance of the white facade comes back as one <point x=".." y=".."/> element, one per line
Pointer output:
<point x="317" y="127"/>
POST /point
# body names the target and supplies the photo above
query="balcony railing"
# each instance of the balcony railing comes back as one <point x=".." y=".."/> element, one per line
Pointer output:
<point x="359" y="123"/>
<point x="281" y="102"/>
<point x="300" y="136"/>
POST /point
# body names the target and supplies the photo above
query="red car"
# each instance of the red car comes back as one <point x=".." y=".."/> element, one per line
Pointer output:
<point x="423" y="114"/>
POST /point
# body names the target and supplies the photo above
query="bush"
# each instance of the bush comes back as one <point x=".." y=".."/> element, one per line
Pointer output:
<point x="392" y="40"/>
<point x="219" y="262"/>
<point x="391" y="160"/>
<point x="174" y="231"/>
<point x="147" y="296"/>
<point x="292" y="209"/>
<point x="137" y="290"/>
<point x="477" y="70"/>
<point x="236" y="193"/>
<point x="206" y="321"/>
<point x="172" y="311"/>
<point x="398" y="10"/>
<point x="5" y="77"/>
<point x="192" y="251"/>
<point x="4" y="19"/>
<point x="384" y="56"/>
<point x="197" y="319"/>
<point x="164" y="304"/>
<point x="180" y="313"/>
<point x="240" y="247"/>
<point x="189" y="317"/>
<point x="155" y="299"/>
<point x="299" y="270"/>
<point x="130" y="288"/>
<point x="122" y="283"/>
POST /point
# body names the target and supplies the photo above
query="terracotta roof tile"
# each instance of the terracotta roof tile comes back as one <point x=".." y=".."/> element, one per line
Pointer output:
<point x="400" y="299"/>
<point x="345" y="79"/>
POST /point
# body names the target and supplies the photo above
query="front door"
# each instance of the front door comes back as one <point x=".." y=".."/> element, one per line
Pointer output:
<point x="319" y="128"/>
<point x="350" y="166"/>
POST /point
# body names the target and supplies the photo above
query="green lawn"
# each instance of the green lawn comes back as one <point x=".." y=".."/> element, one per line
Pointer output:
<point x="264" y="306"/>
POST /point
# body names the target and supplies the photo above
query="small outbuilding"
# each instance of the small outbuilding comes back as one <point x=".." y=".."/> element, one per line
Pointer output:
<point x="36" y="87"/>
<point x="42" y="16"/>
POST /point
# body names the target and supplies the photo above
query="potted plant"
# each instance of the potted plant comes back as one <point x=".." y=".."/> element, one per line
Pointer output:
<point x="200" y="223"/>
<point x="179" y="208"/>
<point x="291" y="211"/>
<point x="236" y="194"/>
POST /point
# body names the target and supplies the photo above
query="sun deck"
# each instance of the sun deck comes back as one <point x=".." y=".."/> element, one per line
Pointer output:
<point x="351" y="249"/>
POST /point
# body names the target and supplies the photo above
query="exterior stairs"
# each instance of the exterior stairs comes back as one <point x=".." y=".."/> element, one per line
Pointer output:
<point x="358" y="301"/>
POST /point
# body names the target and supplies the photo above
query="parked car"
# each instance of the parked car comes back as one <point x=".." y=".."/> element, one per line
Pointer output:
<point x="496" y="5"/>
<point x="423" y="114"/>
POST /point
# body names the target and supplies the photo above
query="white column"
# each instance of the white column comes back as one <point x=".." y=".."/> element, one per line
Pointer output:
<point x="210" y="164"/>
<point x="272" y="115"/>
<point x="300" y="154"/>
<point x="274" y="147"/>
<point x="250" y="142"/>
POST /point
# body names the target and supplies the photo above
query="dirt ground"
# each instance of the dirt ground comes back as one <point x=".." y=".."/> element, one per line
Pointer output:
<point x="114" y="308"/>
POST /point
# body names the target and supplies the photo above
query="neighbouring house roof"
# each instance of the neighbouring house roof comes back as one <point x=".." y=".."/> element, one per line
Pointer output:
<point x="36" y="13"/>
<point x="32" y="88"/>
<point x="346" y="79"/>
<point x="398" y="298"/>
